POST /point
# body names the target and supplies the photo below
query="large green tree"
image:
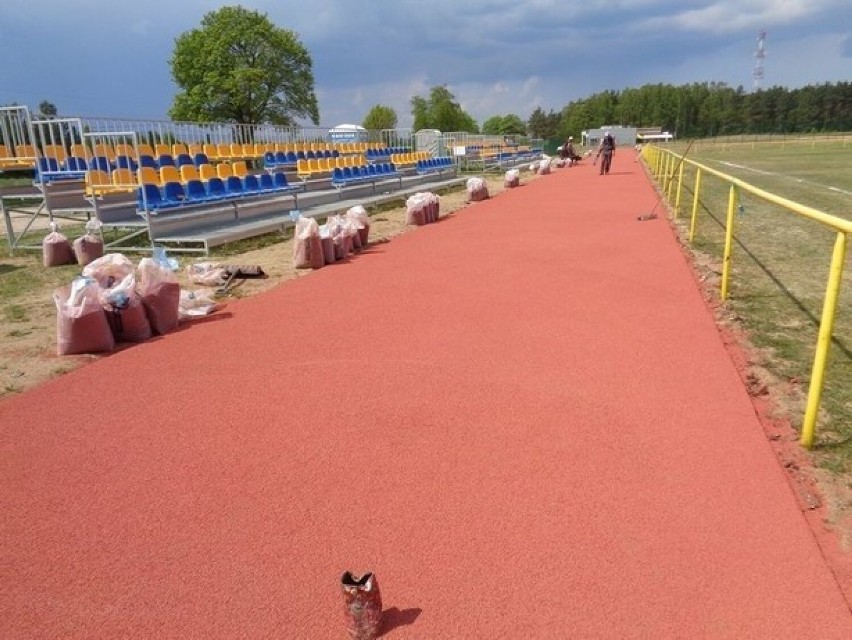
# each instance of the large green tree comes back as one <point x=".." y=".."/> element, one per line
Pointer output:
<point x="543" y="125"/>
<point x="47" y="108"/>
<point x="380" y="117"/>
<point x="442" y="112"/>
<point x="510" y="124"/>
<point x="239" y="67"/>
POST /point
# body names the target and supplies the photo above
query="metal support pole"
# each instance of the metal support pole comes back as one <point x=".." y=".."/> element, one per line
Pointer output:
<point x="679" y="189"/>
<point x="693" y="222"/>
<point x="729" y="241"/>
<point x="826" y="327"/>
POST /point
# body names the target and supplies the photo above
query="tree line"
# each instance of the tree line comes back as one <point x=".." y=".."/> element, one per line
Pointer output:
<point x="707" y="109"/>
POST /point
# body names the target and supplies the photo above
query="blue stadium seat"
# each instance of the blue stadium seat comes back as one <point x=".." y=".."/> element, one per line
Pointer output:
<point x="216" y="189"/>
<point x="148" y="161"/>
<point x="126" y="162"/>
<point x="234" y="186"/>
<point x="266" y="183"/>
<point x="200" y="159"/>
<point x="152" y="200"/>
<point x="75" y="163"/>
<point x="166" y="160"/>
<point x="280" y="180"/>
<point x="195" y="191"/>
<point x="250" y="184"/>
<point x="183" y="159"/>
<point x="173" y="193"/>
<point x="100" y="163"/>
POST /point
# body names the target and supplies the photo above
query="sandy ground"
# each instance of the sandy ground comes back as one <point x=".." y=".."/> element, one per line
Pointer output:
<point x="28" y="339"/>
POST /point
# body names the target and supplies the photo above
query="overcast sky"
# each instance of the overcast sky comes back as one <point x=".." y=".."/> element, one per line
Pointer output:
<point x="110" y="57"/>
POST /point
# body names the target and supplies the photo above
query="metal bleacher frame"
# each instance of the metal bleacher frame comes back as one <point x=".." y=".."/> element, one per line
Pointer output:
<point x="57" y="191"/>
<point x="54" y="194"/>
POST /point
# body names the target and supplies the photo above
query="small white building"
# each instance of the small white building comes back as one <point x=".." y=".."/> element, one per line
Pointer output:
<point x="347" y="133"/>
<point x="624" y="136"/>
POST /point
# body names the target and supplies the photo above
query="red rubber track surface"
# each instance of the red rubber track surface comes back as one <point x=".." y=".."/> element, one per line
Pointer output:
<point x="522" y="419"/>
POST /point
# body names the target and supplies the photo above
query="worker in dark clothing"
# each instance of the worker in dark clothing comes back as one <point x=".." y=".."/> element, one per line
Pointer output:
<point x="568" y="151"/>
<point x="605" y="152"/>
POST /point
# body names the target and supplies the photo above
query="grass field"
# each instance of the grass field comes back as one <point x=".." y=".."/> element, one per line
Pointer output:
<point x="780" y="268"/>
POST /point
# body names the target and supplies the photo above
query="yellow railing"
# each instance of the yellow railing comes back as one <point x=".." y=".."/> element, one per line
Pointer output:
<point x="667" y="168"/>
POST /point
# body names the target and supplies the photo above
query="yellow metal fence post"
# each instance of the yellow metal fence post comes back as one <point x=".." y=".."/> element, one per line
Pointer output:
<point x="679" y="189"/>
<point x="695" y="200"/>
<point x="826" y="327"/>
<point x="669" y="176"/>
<point x="729" y="241"/>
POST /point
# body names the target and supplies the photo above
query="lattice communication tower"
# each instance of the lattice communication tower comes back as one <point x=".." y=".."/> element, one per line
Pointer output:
<point x="759" y="56"/>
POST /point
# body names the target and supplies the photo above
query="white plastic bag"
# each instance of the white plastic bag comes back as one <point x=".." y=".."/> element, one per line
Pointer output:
<point x="477" y="189"/>
<point x="90" y="246"/>
<point x="125" y="311"/>
<point x="55" y="248"/>
<point x="194" y="304"/>
<point x="206" y="273"/>
<point x="81" y="325"/>
<point x="307" y="246"/>
<point x="358" y="215"/>
<point x="512" y="178"/>
<point x="160" y="293"/>
<point x="415" y="209"/>
<point x="109" y="269"/>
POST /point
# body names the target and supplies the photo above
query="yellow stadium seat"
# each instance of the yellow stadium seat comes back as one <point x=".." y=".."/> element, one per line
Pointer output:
<point x="105" y="150"/>
<point x="123" y="180"/>
<point x="148" y="175"/>
<point x="194" y="149"/>
<point x="224" y="170"/>
<point x="80" y="151"/>
<point x="223" y="151"/>
<point x="97" y="182"/>
<point x="206" y="171"/>
<point x="211" y="151"/>
<point x="55" y="151"/>
<point x="9" y="161"/>
<point x="179" y="148"/>
<point x="169" y="174"/>
<point x="240" y="169"/>
<point x="124" y="150"/>
<point x="162" y="150"/>
<point x="27" y="151"/>
<point x="303" y="169"/>
<point x="145" y="150"/>
<point x="188" y="172"/>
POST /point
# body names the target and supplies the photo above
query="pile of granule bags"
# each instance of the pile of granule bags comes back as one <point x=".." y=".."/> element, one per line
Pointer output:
<point x="477" y="189"/>
<point x="57" y="250"/>
<point x="115" y="301"/>
<point x="315" y="245"/>
<point x="422" y="208"/>
<point x="512" y="179"/>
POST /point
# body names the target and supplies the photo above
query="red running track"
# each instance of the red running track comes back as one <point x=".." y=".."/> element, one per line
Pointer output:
<point x="522" y="419"/>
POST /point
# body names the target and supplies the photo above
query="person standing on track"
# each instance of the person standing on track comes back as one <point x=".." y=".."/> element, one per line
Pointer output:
<point x="605" y="152"/>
